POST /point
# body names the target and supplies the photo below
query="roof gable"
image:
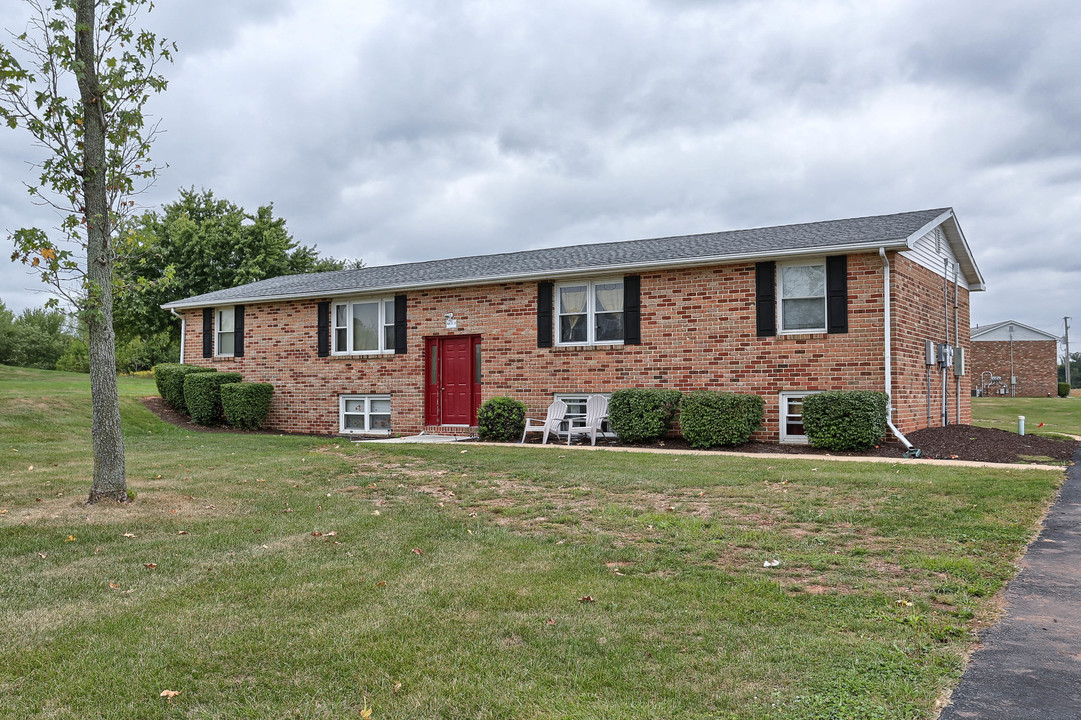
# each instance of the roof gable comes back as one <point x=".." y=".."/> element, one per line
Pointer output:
<point x="899" y="232"/>
<point x="1010" y="329"/>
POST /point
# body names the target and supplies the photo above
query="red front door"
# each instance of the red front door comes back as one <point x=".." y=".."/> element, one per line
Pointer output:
<point x="452" y="383"/>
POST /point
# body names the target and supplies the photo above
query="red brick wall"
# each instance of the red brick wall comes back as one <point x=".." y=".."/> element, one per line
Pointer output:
<point x="1035" y="363"/>
<point x="698" y="332"/>
<point x="920" y="314"/>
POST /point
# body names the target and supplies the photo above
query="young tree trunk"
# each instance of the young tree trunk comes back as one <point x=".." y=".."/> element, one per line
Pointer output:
<point x="108" y="443"/>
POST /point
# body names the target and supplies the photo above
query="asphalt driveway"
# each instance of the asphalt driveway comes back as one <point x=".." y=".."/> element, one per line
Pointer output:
<point x="1029" y="664"/>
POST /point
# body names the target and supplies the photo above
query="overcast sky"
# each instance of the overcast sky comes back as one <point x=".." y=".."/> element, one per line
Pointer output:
<point x="401" y="131"/>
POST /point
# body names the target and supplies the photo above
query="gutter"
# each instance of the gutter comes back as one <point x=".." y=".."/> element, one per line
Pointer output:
<point x="889" y="358"/>
<point x="183" y="327"/>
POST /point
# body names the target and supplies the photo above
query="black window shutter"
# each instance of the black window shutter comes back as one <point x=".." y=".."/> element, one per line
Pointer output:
<point x="544" y="314"/>
<point x="208" y="332"/>
<point x="399" y="325"/>
<point x="238" y="331"/>
<point x="323" y="329"/>
<point x="765" y="295"/>
<point x="837" y="294"/>
<point x="632" y="310"/>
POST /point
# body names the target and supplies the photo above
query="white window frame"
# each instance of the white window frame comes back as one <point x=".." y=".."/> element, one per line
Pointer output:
<point x="815" y="262"/>
<point x="783" y="416"/>
<point x="383" y="324"/>
<point x="590" y="311"/>
<point x="568" y="398"/>
<point x="367" y="430"/>
<point x="218" y="314"/>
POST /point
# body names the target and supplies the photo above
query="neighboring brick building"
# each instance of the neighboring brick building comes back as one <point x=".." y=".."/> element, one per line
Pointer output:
<point x="780" y="312"/>
<point x="1024" y="358"/>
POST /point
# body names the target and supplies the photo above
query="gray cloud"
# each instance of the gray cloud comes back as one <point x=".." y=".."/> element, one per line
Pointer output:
<point x="410" y="131"/>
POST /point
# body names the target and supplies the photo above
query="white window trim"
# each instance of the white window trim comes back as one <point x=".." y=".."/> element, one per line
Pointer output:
<point x="606" y="429"/>
<point x="382" y="302"/>
<point x="783" y="416"/>
<point x="218" y="333"/>
<point x="367" y="414"/>
<point x="781" y="298"/>
<point x="591" y="306"/>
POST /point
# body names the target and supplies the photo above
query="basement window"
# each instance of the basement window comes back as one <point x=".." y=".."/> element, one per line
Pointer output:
<point x="364" y="414"/>
<point x="792" y="417"/>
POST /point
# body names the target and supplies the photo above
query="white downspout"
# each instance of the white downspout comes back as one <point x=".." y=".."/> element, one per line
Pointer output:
<point x="889" y="352"/>
<point x="183" y="326"/>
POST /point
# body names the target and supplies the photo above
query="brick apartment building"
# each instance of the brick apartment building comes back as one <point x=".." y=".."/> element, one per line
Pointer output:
<point x="780" y="312"/>
<point x="1009" y="358"/>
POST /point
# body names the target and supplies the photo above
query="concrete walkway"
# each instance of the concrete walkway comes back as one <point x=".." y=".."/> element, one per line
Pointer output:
<point x="1029" y="664"/>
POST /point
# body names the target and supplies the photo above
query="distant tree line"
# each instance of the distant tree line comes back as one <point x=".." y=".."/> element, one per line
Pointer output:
<point x="196" y="245"/>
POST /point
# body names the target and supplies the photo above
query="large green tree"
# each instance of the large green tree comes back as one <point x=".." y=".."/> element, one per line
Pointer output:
<point x="196" y="245"/>
<point x="77" y="79"/>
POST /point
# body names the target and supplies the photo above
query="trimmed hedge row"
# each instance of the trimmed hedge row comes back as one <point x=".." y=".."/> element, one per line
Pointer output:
<point x="246" y="404"/>
<point x="501" y="419"/>
<point x="845" y="420"/>
<point x="640" y="415"/>
<point x="710" y="418"/>
<point x="169" y="377"/>
<point x="202" y="395"/>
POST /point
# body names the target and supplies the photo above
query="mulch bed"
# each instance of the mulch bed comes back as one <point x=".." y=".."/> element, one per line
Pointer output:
<point x="953" y="442"/>
<point x="157" y="406"/>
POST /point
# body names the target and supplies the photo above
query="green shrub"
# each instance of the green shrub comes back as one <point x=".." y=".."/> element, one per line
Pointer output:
<point x="639" y="415"/>
<point x="169" y="377"/>
<point x="501" y="419"/>
<point x="1064" y="389"/>
<point x="709" y="419"/>
<point x="76" y="357"/>
<point x="202" y="395"/>
<point x="246" y="404"/>
<point x="845" y="420"/>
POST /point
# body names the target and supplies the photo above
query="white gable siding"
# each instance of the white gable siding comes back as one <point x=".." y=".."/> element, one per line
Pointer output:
<point x="929" y="252"/>
<point x="1020" y="334"/>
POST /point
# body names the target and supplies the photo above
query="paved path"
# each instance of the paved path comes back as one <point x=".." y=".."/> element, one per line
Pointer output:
<point x="1029" y="664"/>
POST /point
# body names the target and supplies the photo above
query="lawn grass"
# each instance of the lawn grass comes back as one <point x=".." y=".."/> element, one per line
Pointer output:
<point x="1060" y="416"/>
<point x="304" y="578"/>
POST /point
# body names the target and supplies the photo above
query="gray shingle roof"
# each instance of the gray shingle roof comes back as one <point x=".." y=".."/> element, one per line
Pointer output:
<point x="832" y="235"/>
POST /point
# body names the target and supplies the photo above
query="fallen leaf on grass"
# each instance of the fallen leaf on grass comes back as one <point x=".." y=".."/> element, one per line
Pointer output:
<point x="129" y="535"/>
<point x="170" y="694"/>
<point x="375" y="512"/>
<point x="381" y="583"/>
<point x="417" y="551"/>
<point x="550" y="621"/>
<point x="182" y="532"/>
<point x="42" y="555"/>
<point x="397" y="686"/>
<point x="586" y="599"/>
<point x="114" y="586"/>
<point x="150" y="565"/>
<point x="69" y="538"/>
<point x="30" y="468"/>
<point x="365" y="712"/>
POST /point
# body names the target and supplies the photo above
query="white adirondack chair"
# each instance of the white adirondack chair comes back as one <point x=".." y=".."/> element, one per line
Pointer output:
<point x="596" y="413"/>
<point x="556" y="413"/>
